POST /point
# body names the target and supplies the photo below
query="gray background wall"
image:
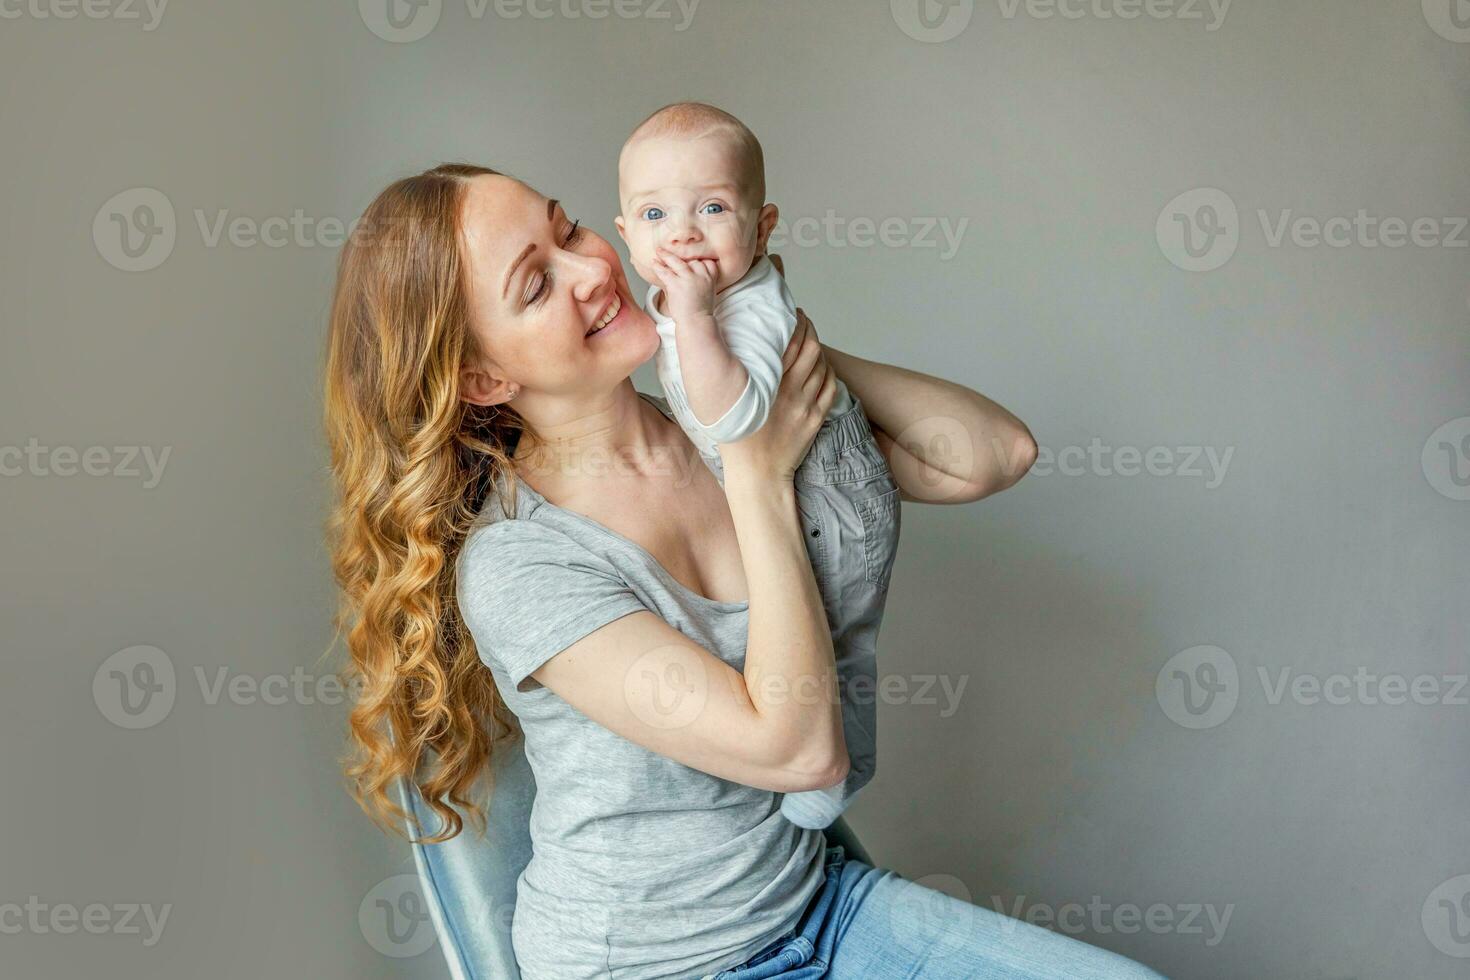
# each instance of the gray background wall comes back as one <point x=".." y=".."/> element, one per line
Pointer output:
<point x="1337" y="380"/>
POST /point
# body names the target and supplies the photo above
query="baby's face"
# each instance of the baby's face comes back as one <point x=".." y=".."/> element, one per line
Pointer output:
<point x="688" y="197"/>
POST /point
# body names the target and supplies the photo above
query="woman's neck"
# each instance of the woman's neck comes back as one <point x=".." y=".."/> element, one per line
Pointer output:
<point x="588" y="441"/>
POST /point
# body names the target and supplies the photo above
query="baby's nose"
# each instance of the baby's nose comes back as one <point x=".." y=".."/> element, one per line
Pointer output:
<point x="683" y="231"/>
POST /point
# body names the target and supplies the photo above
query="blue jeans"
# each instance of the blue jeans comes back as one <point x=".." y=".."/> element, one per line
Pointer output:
<point x="868" y="924"/>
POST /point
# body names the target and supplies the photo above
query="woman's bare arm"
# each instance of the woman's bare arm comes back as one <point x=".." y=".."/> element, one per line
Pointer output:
<point x="777" y="725"/>
<point x="648" y="682"/>
<point x="946" y="444"/>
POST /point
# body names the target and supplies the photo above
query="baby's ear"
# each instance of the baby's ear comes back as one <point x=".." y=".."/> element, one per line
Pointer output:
<point x="622" y="232"/>
<point x="765" y="223"/>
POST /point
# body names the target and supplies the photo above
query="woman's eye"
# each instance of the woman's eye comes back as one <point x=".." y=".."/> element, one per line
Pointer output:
<point x="652" y="214"/>
<point x="713" y="208"/>
<point x="575" y="235"/>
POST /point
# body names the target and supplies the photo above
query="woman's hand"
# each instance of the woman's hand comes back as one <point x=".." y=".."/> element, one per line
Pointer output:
<point x="807" y="390"/>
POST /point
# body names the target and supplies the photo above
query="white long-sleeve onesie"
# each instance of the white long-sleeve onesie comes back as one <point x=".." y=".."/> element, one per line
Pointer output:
<point x="756" y="316"/>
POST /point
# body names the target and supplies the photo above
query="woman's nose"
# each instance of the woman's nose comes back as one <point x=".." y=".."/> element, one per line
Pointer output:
<point x="590" y="275"/>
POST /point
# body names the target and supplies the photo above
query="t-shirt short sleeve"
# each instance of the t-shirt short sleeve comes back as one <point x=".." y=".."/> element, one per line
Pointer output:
<point x="528" y="591"/>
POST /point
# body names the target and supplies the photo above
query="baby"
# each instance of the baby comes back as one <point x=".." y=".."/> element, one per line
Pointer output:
<point x="691" y="187"/>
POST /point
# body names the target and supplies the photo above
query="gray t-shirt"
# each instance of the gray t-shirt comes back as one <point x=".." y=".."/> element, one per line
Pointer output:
<point x="642" y="867"/>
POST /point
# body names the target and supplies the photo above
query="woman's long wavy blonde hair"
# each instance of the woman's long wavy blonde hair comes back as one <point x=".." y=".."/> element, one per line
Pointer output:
<point x="412" y="464"/>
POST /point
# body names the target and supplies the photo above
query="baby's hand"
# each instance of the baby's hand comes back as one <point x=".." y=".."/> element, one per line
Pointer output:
<point x="688" y="286"/>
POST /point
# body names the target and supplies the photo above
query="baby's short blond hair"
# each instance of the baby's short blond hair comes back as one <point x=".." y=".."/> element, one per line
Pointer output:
<point x="691" y="120"/>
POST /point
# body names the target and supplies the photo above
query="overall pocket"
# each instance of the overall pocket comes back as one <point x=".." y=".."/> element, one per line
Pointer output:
<point x="881" y="517"/>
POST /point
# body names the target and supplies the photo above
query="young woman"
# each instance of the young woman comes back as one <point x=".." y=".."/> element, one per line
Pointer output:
<point x="521" y="535"/>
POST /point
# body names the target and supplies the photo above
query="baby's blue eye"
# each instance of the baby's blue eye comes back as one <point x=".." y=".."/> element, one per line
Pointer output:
<point x="717" y="208"/>
<point x="652" y="214"/>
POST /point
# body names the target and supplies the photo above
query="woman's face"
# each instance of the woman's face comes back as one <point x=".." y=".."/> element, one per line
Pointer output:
<point x="540" y="286"/>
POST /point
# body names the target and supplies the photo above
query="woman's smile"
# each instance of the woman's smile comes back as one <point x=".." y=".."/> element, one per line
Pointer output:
<point x="612" y="317"/>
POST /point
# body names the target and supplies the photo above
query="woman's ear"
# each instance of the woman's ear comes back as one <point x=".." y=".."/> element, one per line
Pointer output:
<point x="479" y="387"/>
<point x="765" y="224"/>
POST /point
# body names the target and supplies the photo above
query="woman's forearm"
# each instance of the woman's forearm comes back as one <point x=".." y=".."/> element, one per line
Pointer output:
<point x="947" y="443"/>
<point x="790" y="674"/>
